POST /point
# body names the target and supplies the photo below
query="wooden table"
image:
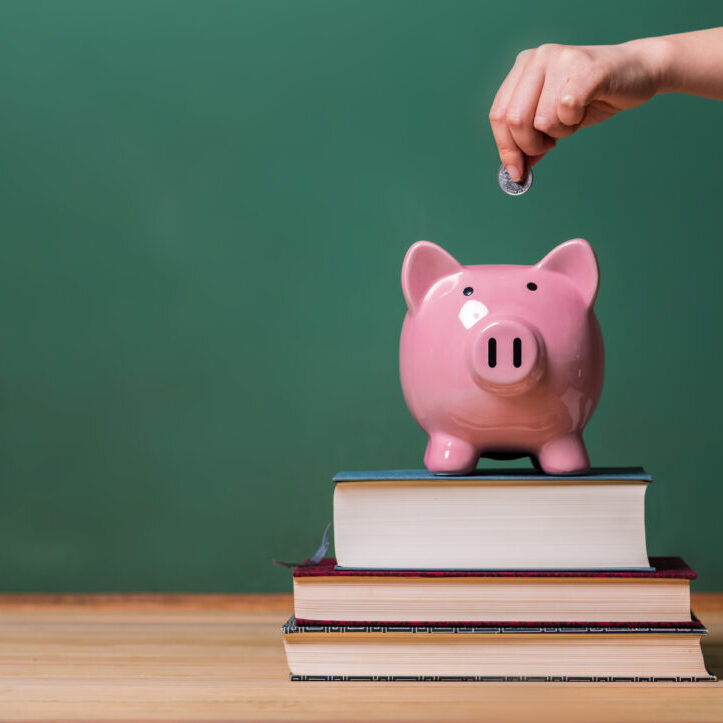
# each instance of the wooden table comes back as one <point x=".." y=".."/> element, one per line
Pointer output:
<point x="220" y="657"/>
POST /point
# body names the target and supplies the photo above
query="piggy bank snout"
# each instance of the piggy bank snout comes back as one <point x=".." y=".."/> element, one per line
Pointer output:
<point x="506" y="357"/>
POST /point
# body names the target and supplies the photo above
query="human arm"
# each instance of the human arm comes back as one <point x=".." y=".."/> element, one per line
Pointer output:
<point x="555" y="90"/>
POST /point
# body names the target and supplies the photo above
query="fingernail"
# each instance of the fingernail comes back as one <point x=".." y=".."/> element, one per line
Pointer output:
<point x="513" y="172"/>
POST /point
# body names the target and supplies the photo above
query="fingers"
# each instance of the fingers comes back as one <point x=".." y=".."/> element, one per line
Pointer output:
<point x="511" y="156"/>
<point x="521" y="112"/>
<point x="547" y="118"/>
<point x="544" y="97"/>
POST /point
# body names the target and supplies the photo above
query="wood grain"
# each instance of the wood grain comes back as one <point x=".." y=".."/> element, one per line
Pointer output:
<point x="220" y="657"/>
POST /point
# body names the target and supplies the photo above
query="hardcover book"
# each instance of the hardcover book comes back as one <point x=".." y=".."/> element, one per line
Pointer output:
<point x="501" y="519"/>
<point x="563" y="652"/>
<point x="325" y="593"/>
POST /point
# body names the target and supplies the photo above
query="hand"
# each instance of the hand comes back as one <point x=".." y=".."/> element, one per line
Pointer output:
<point x="554" y="90"/>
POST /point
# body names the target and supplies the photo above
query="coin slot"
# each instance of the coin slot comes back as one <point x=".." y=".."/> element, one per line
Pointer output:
<point x="517" y="352"/>
<point x="492" y="353"/>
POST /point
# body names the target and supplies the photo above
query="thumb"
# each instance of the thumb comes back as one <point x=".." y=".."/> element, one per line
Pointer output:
<point x="575" y="96"/>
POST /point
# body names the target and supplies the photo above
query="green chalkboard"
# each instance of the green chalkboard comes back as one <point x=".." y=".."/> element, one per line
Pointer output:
<point x="203" y="212"/>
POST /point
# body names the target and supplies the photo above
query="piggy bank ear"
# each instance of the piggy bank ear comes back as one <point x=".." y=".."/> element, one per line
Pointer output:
<point x="424" y="264"/>
<point x="576" y="260"/>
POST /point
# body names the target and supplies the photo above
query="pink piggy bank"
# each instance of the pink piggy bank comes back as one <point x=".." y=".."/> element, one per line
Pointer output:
<point x="502" y="361"/>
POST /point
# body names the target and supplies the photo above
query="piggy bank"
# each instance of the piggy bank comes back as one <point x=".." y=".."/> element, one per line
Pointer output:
<point x="502" y="361"/>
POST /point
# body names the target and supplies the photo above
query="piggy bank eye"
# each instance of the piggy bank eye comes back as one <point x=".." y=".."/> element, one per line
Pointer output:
<point x="532" y="286"/>
<point x="468" y="291"/>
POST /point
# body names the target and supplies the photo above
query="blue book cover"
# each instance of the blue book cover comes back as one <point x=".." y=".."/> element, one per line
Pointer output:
<point x="596" y="474"/>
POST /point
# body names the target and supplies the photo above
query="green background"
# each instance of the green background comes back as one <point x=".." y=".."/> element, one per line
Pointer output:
<point x="203" y="213"/>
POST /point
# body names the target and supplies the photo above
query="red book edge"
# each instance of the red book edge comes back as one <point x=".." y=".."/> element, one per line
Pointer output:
<point x="665" y="568"/>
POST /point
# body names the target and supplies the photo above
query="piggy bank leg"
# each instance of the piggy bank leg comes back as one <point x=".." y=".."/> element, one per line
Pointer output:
<point x="564" y="455"/>
<point x="450" y="455"/>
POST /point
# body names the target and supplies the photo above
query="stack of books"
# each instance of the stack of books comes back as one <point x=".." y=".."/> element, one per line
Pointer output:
<point x="505" y="576"/>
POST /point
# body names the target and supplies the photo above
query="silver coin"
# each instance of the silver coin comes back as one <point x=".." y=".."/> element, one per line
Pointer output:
<point x="510" y="187"/>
